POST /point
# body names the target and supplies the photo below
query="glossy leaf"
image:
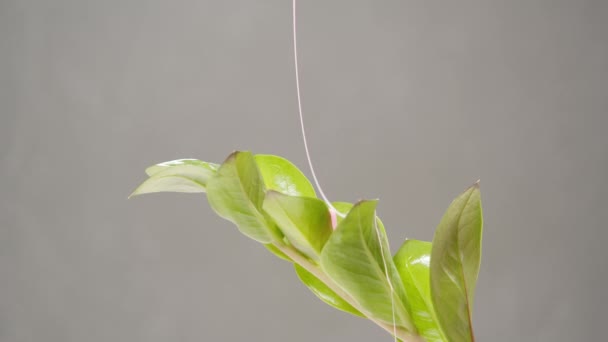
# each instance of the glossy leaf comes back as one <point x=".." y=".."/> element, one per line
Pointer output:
<point x="413" y="263"/>
<point x="455" y="260"/>
<point x="281" y="175"/>
<point x="323" y="292"/>
<point x="304" y="221"/>
<point x="154" y="169"/>
<point x="433" y="300"/>
<point x="353" y="259"/>
<point x="236" y="193"/>
<point x="183" y="175"/>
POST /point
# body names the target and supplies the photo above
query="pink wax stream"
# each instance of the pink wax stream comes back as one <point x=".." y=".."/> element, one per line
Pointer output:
<point x="334" y="218"/>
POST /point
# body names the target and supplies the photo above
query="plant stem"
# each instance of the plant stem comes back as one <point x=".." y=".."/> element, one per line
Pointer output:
<point x="317" y="272"/>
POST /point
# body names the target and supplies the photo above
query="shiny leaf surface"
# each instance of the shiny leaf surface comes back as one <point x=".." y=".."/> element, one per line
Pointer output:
<point x="154" y="169"/>
<point x="413" y="263"/>
<point x="429" y="288"/>
<point x="455" y="260"/>
<point x="183" y="175"/>
<point x="281" y="175"/>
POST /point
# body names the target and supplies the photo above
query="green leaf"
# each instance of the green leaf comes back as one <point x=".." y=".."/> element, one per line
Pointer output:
<point x="455" y="259"/>
<point x="274" y="250"/>
<point x="323" y="292"/>
<point x="354" y="258"/>
<point x="304" y="221"/>
<point x="343" y="208"/>
<point x="281" y="175"/>
<point x="154" y="169"/>
<point x="236" y="193"/>
<point x="182" y="175"/>
<point x="413" y="262"/>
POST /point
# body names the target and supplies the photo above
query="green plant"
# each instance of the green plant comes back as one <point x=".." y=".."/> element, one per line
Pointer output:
<point x="424" y="292"/>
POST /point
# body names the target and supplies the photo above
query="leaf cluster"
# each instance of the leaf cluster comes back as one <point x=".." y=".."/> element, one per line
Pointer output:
<point x="424" y="292"/>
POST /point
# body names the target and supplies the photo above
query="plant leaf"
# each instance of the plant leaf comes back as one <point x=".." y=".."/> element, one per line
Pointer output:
<point x="304" y="221"/>
<point x="413" y="262"/>
<point x="323" y="292"/>
<point x="274" y="250"/>
<point x="353" y="259"/>
<point x="455" y="259"/>
<point x="236" y="193"/>
<point x="154" y="169"/>
<point x="182" y="175"/>
<point x="343" y="208"/>
<point x="281" y="175"/>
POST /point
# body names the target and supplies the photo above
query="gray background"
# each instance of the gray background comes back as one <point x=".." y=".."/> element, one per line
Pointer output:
<point x="408" y="101"/>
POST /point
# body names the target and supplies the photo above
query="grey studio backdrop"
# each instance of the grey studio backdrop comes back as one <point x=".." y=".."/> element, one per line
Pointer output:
<point x="407" y="101"/>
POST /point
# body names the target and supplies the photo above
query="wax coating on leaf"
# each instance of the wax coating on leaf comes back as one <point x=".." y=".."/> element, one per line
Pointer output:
<point x="154" y="169"/>
<point x="431" y="298"/>
<point x="413" y="263"/>
<point x="281" y="175"/>
<point x="183" y="175"/>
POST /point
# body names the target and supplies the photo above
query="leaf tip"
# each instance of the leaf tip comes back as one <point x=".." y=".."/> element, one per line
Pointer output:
<point x="365" y="201"/>
<point x="134" y="193"/>
<point x="474" y="186"/>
